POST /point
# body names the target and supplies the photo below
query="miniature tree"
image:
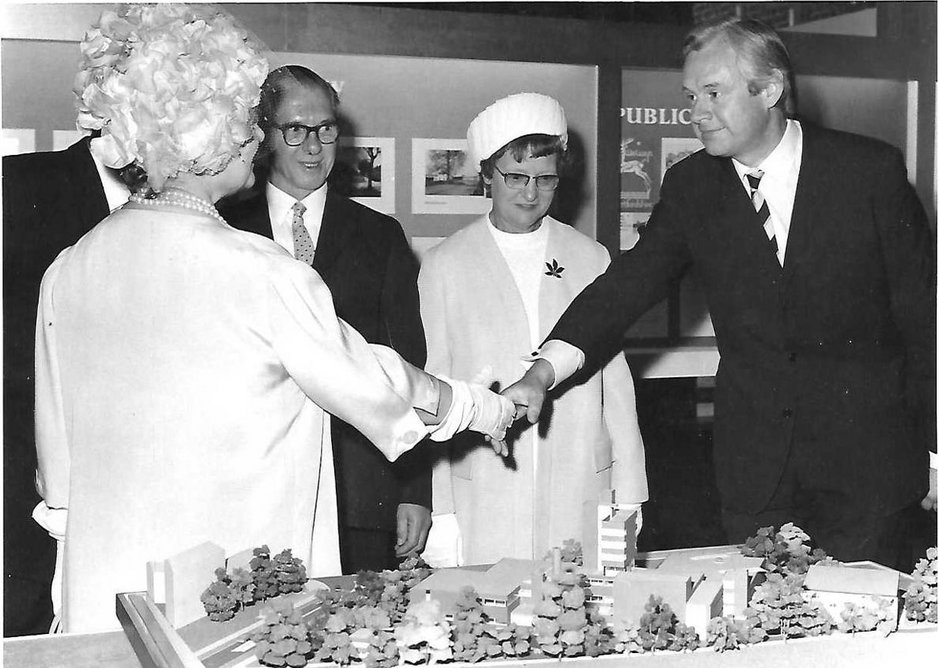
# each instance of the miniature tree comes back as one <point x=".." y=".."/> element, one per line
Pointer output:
<point x="289" y="573"/>
<point x="264" y="573"/>
<point x="920" y="600"/>
<point x="228" y="594"/>
<point x="626" y="640"/>
<point x="786" y="550"/>
<point x="219" y="599"/>
<point x="284" y="639"/>
<point x="469" y="626"/>
<point x="779" y="608"/>
<point x="424" y="634"/>
<point x="727" y="633"/>
<point x="476" y="637"/>
<point x="856" y="618"/>
<point x="391" y="590"/>
<point x="659" y="629"/>
<point x="563" y="625"/>
<point x="336" y="637"/>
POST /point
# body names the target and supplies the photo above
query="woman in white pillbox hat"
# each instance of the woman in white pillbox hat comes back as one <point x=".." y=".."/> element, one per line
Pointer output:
<point x="489" y="294"/>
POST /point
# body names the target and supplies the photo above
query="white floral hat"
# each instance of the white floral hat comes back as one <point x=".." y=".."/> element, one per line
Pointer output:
<point x="171" y="88"/>
<point x="513" y="117"/>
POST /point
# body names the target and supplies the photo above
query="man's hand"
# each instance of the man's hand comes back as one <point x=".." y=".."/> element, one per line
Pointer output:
<point x="929" y="502"/>
<point x="413" y="527"/>
<point x="528" y="394"/>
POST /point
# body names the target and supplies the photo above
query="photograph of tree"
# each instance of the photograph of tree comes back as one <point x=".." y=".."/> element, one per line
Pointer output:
<point x="365" y="171"/>
<point x="447" y="172"/>
<point x="443" y="180"/>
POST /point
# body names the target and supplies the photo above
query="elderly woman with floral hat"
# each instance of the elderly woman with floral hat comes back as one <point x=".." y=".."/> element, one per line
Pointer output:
<point x="184" y="368"/>
<point x="489" y="294"/>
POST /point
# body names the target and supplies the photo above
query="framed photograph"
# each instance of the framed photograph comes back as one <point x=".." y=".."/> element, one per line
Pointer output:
<point x="443" y="180"/>
<point x="365" y="171"/>
<point x="675" y="149"/>
<point x="62" y="139"/>
<point x="15" y="141"/>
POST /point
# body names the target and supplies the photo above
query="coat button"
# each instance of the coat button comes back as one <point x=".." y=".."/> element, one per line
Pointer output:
<point x="792" y="357"/>
<point x="787" y="413"/>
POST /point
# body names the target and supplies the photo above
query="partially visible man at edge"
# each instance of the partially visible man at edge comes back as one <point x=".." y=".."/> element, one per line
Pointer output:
<point x="50" y="199"/>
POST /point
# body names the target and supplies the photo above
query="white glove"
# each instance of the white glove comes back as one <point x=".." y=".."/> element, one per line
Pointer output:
<point x="54" y="521"/>
<point x="475" y="408"/>
<point x="444" y="547"/>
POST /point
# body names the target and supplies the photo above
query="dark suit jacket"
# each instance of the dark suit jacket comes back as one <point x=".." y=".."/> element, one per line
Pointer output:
<point x="49" y="201"/>
<point x="830" y="359"/>
<point x="364" y="258"/>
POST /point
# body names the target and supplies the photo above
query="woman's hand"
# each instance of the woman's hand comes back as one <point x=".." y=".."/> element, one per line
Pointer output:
<point x="474" y="407"/>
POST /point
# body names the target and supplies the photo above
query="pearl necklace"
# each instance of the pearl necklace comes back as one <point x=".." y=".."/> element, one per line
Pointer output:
<point x="182" y="199"/>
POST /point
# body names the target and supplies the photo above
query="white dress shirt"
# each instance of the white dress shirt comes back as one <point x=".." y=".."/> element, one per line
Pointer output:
<point x="115" y="190"/>
<point x="778" y="185"/>
<point x="280" y="208"/>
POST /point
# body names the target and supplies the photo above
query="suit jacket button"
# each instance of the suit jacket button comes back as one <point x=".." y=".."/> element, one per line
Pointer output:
<point x="792" y="357"/>
<point x="787" y="413"/>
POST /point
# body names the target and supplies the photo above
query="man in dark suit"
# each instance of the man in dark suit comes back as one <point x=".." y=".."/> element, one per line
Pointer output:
<point x="49" y="201"/>
<point x="820" y="274"/>
<point x="364" y="258"/>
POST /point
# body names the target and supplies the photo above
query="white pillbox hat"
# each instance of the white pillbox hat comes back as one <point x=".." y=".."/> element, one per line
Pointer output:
<point x="513" y="117"/>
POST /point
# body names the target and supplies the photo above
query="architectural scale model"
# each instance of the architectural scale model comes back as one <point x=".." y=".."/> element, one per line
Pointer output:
<point x="605" y="599"/>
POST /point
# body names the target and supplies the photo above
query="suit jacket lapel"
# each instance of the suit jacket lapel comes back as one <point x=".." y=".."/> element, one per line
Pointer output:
<point x="337" y="233"/>
<point x="256" y="217"/>
<point x="811" y="191"/>
<point x="742" y="222"/>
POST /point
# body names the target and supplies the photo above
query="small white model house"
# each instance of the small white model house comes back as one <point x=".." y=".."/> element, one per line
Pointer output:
<point x="871" y="589"/>
<point x="706" y="603"/>
<point x="179" y="580"/>
<point x="737" y="572"/>
<point x="497" y="588"/>
<point x="632" y="590"/>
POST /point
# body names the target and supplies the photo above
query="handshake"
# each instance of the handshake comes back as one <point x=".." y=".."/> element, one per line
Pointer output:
<point x="476" y="408"/>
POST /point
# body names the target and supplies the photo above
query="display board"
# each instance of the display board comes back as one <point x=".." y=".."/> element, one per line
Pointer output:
<point x="396" y="105"/>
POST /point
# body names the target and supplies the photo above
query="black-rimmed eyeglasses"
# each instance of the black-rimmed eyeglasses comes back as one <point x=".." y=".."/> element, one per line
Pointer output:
<point x="517" y="181"/>
<point x="296" y="133"/>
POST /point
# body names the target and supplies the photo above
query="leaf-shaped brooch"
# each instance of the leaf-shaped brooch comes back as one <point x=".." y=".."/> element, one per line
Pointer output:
<point x="554" y="269"/>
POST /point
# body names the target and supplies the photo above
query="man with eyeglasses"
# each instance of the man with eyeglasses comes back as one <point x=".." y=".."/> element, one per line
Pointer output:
<point x="365" y="260"/>
<point x="489" y="294"/>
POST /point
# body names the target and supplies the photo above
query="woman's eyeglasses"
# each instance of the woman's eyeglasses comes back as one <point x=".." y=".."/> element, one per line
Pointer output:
<point x="296" y="133"/>
<point x="517" y="181"/>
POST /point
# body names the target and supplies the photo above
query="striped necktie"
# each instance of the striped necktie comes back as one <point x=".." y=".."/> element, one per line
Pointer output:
<point x="302" y="243"/>
<point x="762" y="209"/>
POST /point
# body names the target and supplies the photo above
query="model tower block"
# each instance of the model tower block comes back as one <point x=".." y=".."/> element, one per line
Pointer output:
<point x="611" y="547"/>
